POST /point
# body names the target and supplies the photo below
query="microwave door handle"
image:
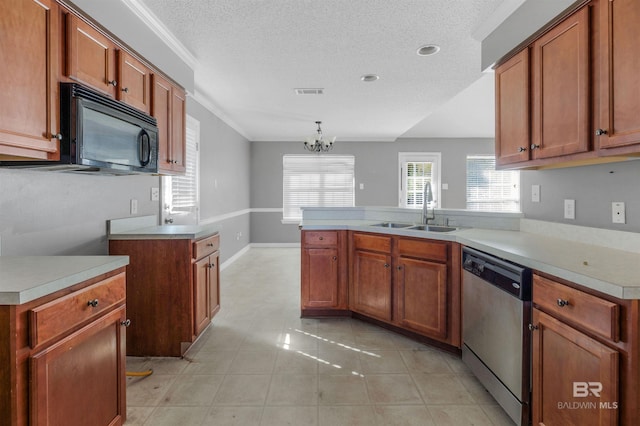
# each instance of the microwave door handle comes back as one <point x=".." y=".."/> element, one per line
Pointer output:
<point x="144" y="147"/>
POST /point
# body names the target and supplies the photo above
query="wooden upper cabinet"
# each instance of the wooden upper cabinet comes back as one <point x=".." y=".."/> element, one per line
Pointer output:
<point x="134" y="86"/>
<point x="561" y="89"/>
<point x="91" y="56"/>
<point x="168" y="106"/>
<point x="512" y="110"/>
<point x="29" y="79"/>
<point x="620" y="74"/>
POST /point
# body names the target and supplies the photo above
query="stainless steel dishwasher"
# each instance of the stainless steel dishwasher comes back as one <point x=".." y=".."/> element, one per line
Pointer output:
<point x="496" y="313"/>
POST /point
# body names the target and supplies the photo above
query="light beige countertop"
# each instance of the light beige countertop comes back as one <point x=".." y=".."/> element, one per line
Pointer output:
<point x="146" y="228"/>
<point x="608" y="270"/>
<point x="26" y="278"/>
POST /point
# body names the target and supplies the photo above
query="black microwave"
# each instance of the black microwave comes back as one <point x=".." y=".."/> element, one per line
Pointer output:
<point x="100" y="134"/>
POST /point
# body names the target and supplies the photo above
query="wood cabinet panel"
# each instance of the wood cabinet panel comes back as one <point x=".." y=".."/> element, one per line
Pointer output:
<point x="29" y="110"/>
<point x="81" y="379"/>
<point x="562" y="356"/>
<point x="201" y="311"/>
<point x="433" y="250"/>
<point x="513" y="110"/>
<point x="320" y="238"/>
<point x="214" y="284"/>
<point x="206" y="246"/>
<point x="371" y="284"/>
<point x="168" y="106"/>
<point x="134" y="86"/>
<point x="380" y="243"/>
<point x="562" y="89"/>
<point x="178" y="129"/>
<point x="620" y="73"/>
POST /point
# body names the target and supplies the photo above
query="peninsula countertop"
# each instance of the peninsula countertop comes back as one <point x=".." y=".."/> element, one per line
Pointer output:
<point x="26" y="278"/>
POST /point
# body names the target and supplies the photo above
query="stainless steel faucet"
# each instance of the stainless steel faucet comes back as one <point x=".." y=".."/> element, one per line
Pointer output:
<point x="426" y="199"/>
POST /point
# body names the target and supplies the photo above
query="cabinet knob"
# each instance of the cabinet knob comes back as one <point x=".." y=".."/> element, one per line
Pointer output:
<point x="562" y="302"/>
<point x="126" y="322"/>
<point x="125" y="90"/>
<point x="93" y="303"/>
<point x="56" y="136"/>
<point x="534" y="146"/>
<point x="211" y="265"/>
<point x="321" y="238"/>
<point x="522" y="149"/>
<point x="600" y="132"/>
<point x="399" y="268"/>
<point x="532" y="327"/>
<point x="335" y="258"/>
<point x="386" y="265"/>
<point x="113" y="83"/>
<point x="209" y="244"/>
<point x="170" y="220"/>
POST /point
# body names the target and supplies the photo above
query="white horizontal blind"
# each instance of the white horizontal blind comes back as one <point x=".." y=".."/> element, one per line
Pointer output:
<point x="489" y="189"/>
<point x="416" y="169"/>
<point x="316" y="181"/>
<point x="418" y="174"/>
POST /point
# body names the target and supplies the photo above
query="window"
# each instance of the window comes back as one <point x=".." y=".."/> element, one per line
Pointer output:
<point x="181" y="198"/>
<point x="416" y="169"/>
<point x="316" y="181"/>
<point x="489" y="189"/>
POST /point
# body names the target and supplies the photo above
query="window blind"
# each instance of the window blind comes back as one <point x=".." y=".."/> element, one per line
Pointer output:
<point x="316" y="181"/>
<point x="417" y="175"/>
<point x="489" y="189"/>
<point x="184" y="188"/>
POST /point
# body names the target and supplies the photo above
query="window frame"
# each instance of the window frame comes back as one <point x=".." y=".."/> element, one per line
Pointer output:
<point x="503" y="201"/>
<point x="436" y="176"/>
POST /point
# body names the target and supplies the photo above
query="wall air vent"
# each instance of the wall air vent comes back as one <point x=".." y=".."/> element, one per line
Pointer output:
<point x="309" y="91"/>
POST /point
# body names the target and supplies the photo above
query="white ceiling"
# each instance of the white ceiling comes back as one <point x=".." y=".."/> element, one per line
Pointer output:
<point x="249" y="55"/>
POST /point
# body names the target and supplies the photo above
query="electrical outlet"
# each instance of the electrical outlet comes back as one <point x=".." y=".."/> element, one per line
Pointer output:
<point x="133" y="203"/>
<point x="569" y="209"/>
<point x="617" y="212"/>
<point x="362" y="186"/>
<point x="155" y="194"/>
<point x="445" y="186"/>
<point x="238" y="236"/>
<point x="535" y="193"/>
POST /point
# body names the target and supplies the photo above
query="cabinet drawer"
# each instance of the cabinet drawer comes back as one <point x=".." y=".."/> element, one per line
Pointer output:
<point x="423" y="249"/>
<point x="584" y="310"/>
<point x="61" y="315"/>
<point x="372" y="242"/>
<point x="321" y="238"/>
<point x="206" y="246"/>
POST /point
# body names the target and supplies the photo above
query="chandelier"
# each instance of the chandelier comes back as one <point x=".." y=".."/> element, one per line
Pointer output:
<point x="317" y="143"/>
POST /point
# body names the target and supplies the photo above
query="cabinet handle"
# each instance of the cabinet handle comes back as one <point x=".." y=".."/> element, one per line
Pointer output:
<point x="93" y="303"/>
<point x="335" y="258"/>
<point x="399" y="268"/>
<point x="321" y="238"/>
<point x="386" y="265"/>
<point x="113" y="83"/>
<point x="56" y="136"/>
<point x="522" y="149"/>
<point x="534" y="146"/>
<point x="125" y="90"/>
<point x="209" y="244"/>
<point x="562" y="303"/>
<point x="211" y="265"/>
<point x="170" y="220"/>
<point x="126" y="322"/>
<point x="600" y="132"/>
<point x="532" y="327"/>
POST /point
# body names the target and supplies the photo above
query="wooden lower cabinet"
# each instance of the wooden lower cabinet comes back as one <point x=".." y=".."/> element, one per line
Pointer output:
<point x="172" y="292"/>
<point x="63" y="356"/>
<point x="371" y="284"/>
<point x="585" y="363"/>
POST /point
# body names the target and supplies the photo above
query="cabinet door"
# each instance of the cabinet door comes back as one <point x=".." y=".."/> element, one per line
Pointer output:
<point x="161" y="110"/>
<point x="620" y="80"/>
<point x="512" y="110"/>
<point x="421" y="296"/>
<point x="561" y="89"/>
<point x="81" y="379"/>
<point x="214" y="284"/>
<point x="201" y="307"/>
<point x="178" y="129"/>
<point x="320" y="278"/>
<point x="29" y="79"/>
<point x="371" y="285"/>
<point x="135" y="82"/>
<point x="575" y="378"/>
<point x="90" y="56"/>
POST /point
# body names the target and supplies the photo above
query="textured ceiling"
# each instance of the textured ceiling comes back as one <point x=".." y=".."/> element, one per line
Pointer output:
<point x="251" y="54"/>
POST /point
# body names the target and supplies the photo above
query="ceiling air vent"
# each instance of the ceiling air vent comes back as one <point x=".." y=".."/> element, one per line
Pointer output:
<point x="308" y="91"/>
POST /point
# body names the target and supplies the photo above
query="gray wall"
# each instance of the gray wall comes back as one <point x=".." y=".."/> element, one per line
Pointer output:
<point x="376" y="167"/>
<point x="593" y="187"/>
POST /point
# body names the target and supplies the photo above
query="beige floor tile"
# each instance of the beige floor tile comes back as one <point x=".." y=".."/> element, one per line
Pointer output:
<point x="249" y="389"/>
<point x="295" y="416"/>
<point x="233" y="416"/>
<point x="172" y="416"/>
<point x="478" y="392"/>
<point x="375" y="341"/>
<point x="392" y="389"/>
<point x="359" y="415"/>
<point x="296" y="362"/>
<point x="147" y="391"/>
<point x="339" y="362"/>
<point x="253" y="362"/>
<point x="376" y="362"/>
<point x="334" y="325"/>
<point x="342" y="390"/>
<point x="459" y="415"/>
<point x="159" y="365"/>
<point x="426" y="361"/>
<point x="497" y="415"/>
<point x="136" y="416"/>
<point x="192" y="390"/>
<point x="293" y="389"/>
<point x="216" y="362"/>
<point x="442" y="389"/>
<point x="403" y="415"/>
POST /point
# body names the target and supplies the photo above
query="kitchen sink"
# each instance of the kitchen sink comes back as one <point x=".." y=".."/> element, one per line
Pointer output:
<point x="433" y="228"/>
<point x="392" y="225"/>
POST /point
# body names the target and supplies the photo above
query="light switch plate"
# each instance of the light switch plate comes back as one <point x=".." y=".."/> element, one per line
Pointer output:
<point x="569" y="209"/>
<point x="535" y="193"/>
<point x="617" y="212"/>
<point x="134" y="206"/>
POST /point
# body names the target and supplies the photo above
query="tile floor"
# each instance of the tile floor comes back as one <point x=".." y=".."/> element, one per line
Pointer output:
<point x="260" y="364"/>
